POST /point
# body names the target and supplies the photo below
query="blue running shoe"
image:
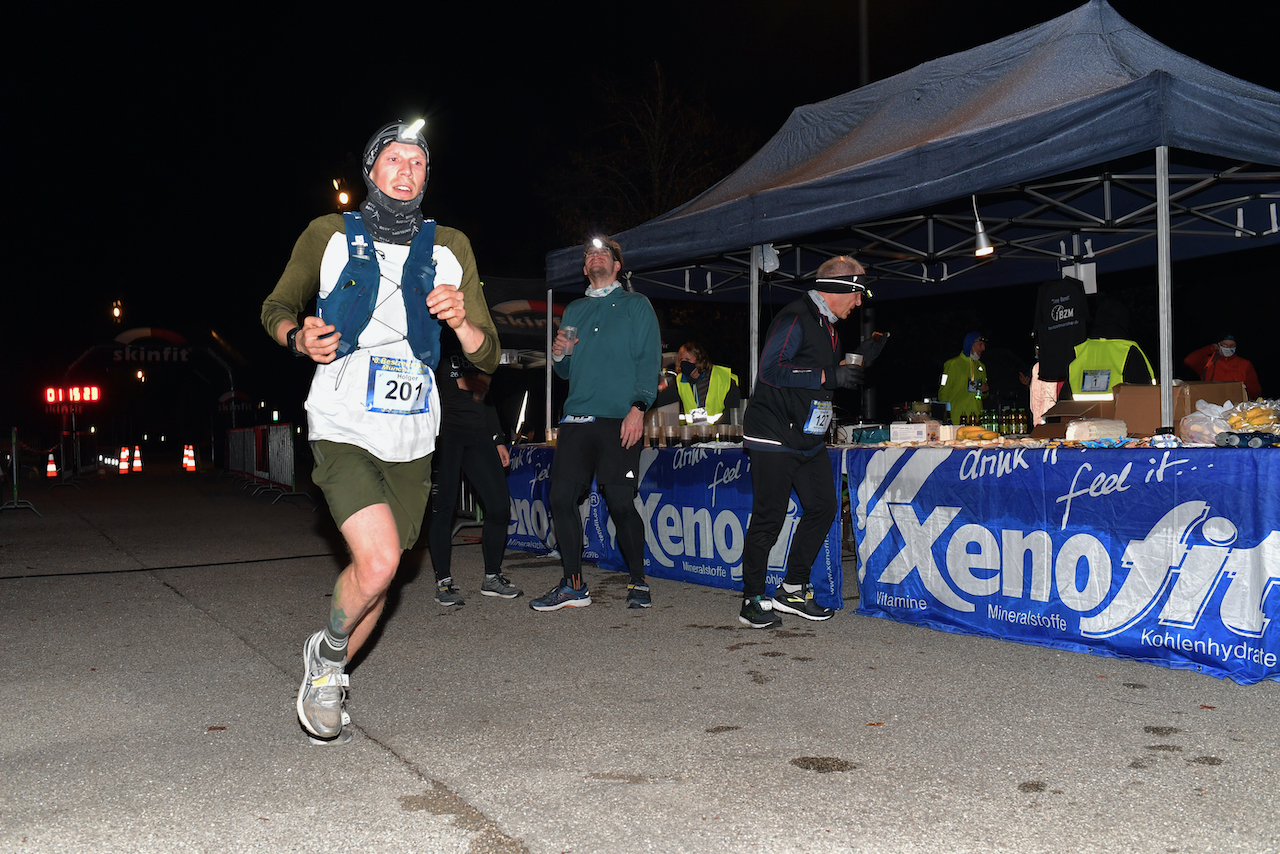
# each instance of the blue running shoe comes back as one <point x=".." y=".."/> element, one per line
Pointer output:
<point x="562" y="596"/>
<point x="638" y="596"/>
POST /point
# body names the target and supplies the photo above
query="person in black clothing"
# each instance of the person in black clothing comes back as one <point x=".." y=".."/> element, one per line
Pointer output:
<point x="471" y="442"/>
<point x="784" y="432"/>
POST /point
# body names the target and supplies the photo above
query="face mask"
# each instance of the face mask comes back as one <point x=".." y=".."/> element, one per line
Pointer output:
<point x="1227" y="351"/>
<point x="687" y="368"/>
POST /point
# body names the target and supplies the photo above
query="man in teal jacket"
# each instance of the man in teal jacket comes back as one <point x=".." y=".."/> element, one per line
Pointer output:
<point x="612" y="365"/>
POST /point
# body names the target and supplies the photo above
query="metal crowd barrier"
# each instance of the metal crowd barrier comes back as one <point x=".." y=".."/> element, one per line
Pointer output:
<point x="468" y="510"/>
<point x="263" y="457"/>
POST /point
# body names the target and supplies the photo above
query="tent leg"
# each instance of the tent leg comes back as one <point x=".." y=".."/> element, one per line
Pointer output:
<point x="754" y="335"/>
<point x="1163" y="273"/>
<point x="551" y="333"/>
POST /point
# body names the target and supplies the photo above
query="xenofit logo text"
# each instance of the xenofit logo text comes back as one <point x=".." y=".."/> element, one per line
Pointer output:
<point x="1182" y="560"/>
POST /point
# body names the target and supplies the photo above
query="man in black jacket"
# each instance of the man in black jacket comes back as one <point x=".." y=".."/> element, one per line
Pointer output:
<point x="784" y="432"/>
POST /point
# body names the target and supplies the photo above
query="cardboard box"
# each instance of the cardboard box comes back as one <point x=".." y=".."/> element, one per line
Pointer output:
<point x="1066" y="411"/>
<point x="913" y="431"/>
<point x="1138" y="405"/>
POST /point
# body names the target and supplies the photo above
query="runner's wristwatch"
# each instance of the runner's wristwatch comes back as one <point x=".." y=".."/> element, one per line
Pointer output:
<point x="291" y="341"/>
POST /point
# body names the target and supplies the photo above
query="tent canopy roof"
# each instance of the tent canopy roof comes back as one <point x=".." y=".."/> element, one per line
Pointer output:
<point x="1059" y="99"/>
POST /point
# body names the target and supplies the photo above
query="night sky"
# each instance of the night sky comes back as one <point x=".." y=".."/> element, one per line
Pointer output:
<point x="169" y="160"/>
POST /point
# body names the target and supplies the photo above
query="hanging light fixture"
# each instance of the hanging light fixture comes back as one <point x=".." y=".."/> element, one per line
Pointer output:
<point x="982" y="245"/>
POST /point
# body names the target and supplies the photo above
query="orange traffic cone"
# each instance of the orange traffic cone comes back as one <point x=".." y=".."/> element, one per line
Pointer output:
<point x="124" y="461"/>
<point x="188" y="458"/>
<point x="51" y="470"/>
<point x="137" y="458"/>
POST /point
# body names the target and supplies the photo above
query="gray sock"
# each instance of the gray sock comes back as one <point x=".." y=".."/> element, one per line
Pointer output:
<point x="333" y="646"/>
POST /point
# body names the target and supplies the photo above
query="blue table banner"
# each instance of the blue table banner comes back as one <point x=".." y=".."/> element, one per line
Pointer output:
<point x="695" y="504"/>
<point x="1167" y="556"/>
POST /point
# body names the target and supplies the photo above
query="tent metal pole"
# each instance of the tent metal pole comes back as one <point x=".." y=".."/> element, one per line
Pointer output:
<point x="1163" y="273"/>
<point x="753" y="336"/>
<point x="550" y="334"/>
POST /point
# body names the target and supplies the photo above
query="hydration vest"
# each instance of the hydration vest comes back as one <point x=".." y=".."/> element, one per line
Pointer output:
<point x="349" y="305"/>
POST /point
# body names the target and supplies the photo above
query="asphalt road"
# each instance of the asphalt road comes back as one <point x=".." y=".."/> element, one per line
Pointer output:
<point x="152" y="628"/>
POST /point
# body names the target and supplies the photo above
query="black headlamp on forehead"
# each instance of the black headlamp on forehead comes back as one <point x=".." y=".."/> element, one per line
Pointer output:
<point x="602" y="244"/>
<point x="846" y="284"/>
<point x="408" y="133"/>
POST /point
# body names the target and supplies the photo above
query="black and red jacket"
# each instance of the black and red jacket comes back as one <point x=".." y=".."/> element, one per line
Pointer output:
<point x="800" y="345"/>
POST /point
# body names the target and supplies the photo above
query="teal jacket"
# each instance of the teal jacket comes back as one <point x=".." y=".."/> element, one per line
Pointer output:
<point x="618" y="357"/>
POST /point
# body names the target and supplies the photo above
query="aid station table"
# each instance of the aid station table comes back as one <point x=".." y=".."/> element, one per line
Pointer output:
<point x="1168" y="556"/>
<point x="695" y="504"/>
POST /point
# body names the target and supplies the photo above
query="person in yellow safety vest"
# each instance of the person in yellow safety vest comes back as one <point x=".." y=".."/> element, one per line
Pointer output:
<point x="1099" y="365"/>
<point x="702" y="388"/>
<point x="1108" y="357"/>
<point x="964" y="378"/>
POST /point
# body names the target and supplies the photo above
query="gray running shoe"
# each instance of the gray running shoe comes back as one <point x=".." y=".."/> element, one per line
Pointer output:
<point x="447" y="594"/>
<point x="343" y="737"/>
<point x="323" y="691"/>
<point x="499" y="585"/>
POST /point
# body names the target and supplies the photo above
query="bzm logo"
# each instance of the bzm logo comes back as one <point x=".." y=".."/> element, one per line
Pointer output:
<point x="1061" y="312"/>
<point x="1184" y="558"/>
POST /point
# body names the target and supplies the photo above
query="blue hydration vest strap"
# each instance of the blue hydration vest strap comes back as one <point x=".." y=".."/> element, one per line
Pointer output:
<point x="416" y="281"/>
<point x="349" y="305"/>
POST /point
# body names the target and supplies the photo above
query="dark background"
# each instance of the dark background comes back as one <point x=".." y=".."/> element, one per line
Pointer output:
<point x="170" y="159"/>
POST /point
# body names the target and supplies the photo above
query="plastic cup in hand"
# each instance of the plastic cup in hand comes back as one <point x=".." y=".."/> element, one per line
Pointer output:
<point x="853" y="359"/>
<point x="570" y="334"/>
